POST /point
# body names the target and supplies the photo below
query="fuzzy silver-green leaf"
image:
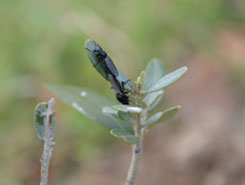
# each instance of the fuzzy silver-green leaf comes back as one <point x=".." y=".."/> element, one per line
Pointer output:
<point x="154" y="72"/>
<point x="151" y="98"/>
<point x="153" y="119"/>
<point x="126" y="136"/>
<point x="90" y="104"/>
<point x="167" y="80"/>
<point x="165" y="115"/>
<point x="125" y="115"/>
<point x="126" y="108"/>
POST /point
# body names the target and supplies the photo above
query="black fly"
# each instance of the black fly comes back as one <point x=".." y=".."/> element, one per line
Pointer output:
<point x="119" y="90"/>
<point x="111" y="74"/>
<point x="106" y="61"/>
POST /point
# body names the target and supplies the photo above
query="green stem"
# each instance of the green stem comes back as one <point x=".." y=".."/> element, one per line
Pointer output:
<point x="136" y="153"/>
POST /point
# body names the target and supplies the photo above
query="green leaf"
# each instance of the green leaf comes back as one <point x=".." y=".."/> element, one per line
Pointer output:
<point x="154" y="72"/>
<point x="126" y="136"/>
<point x="117" y="114"/>
<point x="125" y="108"/>
<point x="151" y="98"/>
<point x="40" y="121"/>
<point x="125" y="115"/>
<point x="89" y="104"/>
<point x="167" y="80"/>
<point x="142" y="77"/>
<point x="170" y="112"/>
<point x="155" y="102"/>
<point x="109" y="111"/>
<point x="153" y="119"/>
<point x="166" y="115"/>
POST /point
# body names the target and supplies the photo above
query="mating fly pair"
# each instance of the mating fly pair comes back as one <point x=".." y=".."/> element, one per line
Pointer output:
<point x="120" y="83"/>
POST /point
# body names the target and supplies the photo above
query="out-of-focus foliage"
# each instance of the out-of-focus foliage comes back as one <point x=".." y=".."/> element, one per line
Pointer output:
<point x="89" y="104"/>
<point x="42" y="41"/>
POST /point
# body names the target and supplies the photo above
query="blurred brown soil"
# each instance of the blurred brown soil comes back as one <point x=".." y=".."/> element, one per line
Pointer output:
<point x="206" y="148"/>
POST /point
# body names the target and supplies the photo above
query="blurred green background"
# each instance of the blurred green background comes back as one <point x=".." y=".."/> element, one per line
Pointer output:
<point x="43" y="42"/>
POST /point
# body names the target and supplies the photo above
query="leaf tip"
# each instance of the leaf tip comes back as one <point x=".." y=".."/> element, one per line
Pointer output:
<point x="185" y="69"/>
<point x="178" y="107"/>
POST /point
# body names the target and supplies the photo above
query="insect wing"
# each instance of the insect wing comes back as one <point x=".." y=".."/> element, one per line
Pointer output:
<point x="114" y="84"/>
<point x="91" y="47"/>
<point x="107" y="67"/>
<point x="111" y="66"/>
<point x="124" y="81"/>
<point x="121" y="96"/>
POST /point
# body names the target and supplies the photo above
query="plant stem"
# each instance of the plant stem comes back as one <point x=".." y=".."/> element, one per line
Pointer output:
<point x="136" y="153"/>
<point x="48" y="145"/>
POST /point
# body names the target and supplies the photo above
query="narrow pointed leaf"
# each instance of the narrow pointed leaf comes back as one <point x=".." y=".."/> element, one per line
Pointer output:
<point x="90" y="104"/>
<point x="126" y="136"/>
<point x="125" y="108"/>
<point x="154" y="71"/>
<point x="40" y="121"/>
<point x="167" y="79"/>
